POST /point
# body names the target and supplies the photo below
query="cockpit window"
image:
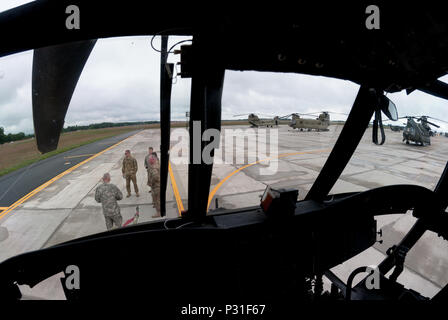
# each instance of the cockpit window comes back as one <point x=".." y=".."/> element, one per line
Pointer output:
<point x="284" y="127"/>
<point x="114" y="108"/>
<point x="414" y="151"/>
<point x="262" y="135"/>
<point x="10" y="4"/>
<point x="277" y="130"/>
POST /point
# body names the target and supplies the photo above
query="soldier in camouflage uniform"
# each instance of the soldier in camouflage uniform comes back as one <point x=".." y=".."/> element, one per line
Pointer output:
<point x="150" y="151"/>
<point x="129" y="170"/>
<point x="154" y="180"/>
<point x="108" y="194"/>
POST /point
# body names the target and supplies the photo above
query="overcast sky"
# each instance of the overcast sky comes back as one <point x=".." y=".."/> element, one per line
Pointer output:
<point x="120" y="82"/>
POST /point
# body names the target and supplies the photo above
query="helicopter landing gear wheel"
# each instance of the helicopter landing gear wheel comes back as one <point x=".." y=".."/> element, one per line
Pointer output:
<point x="407" y="141"/>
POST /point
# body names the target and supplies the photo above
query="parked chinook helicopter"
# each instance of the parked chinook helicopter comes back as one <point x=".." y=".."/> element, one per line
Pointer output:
<point x="321" y="123"/>
<point x="256" y="122"/>
<point x="396" y="128"/>
<point x="280" y="250"/>
<point x="418" y="130"/>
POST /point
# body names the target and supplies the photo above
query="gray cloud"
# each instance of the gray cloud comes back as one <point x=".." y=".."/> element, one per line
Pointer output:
<point x="120" y="82"/>
<point x="280" y="93"/>
<point x="15" y="96"/>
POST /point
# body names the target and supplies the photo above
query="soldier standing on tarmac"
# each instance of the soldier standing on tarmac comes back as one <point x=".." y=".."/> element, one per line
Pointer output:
<point x="108" y="194"/>
<point x="154" y="179"/>
<point x="129" y="170"/>
<point x="150" y="151"/>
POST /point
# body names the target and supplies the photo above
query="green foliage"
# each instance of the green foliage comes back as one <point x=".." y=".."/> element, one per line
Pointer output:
<point x="2" y="135"/>
<point x="11" y="137"/>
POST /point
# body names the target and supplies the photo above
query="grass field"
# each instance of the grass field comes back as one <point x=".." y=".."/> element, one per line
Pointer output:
<point x="23" y="153"/>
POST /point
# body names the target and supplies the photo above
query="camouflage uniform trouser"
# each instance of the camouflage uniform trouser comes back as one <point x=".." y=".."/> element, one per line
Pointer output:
<point x="130" y="177"/>
<point x="149" y="178"/>
<point x="156" y="196"/>
<point x="111" y="220"/>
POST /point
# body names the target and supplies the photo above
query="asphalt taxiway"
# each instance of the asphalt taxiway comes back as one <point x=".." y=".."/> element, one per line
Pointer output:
<point x="17" y="184"/>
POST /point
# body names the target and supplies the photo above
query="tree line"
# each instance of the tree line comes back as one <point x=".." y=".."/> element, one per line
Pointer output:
<point x="103" y="125"/>
<point x="10" y="137"/>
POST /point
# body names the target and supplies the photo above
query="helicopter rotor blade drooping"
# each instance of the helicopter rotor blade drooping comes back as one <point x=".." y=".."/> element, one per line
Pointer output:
<point x="437" y="119"/>
<point x="56" y="71"/>
<point x="431" y="123"/>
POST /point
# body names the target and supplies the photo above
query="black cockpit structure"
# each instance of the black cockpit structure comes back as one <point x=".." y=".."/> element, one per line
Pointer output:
<point x="243" y="252"/>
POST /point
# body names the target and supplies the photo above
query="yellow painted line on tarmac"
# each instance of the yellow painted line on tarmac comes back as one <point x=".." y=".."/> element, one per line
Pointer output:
<point x="79" y="156"/>
<point x="180" y="206"/>
<point x="59" y="176"/>
<point x="216" y="188"/>
<point x="3" y="208"/>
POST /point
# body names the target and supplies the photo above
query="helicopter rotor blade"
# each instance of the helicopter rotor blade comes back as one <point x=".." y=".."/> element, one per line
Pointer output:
<point x="433" y="124"/>
<point x="266" y="115"/>
<point x="309" y="114"/>
<point x="341" y="113"/>
<point x="285" y="117"/>
<point x="55" y="74"/>
<point x="438" y="119"/>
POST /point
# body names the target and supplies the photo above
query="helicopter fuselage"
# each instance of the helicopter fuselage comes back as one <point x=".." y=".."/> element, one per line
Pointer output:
<point x="319" y="124"/>
<point x="416" y="132"/>
<point x="255" y="121"/>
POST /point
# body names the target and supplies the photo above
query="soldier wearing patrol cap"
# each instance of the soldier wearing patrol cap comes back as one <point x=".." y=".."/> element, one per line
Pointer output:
<point x="129" y="170"/>
<point x="107" y="194"/>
